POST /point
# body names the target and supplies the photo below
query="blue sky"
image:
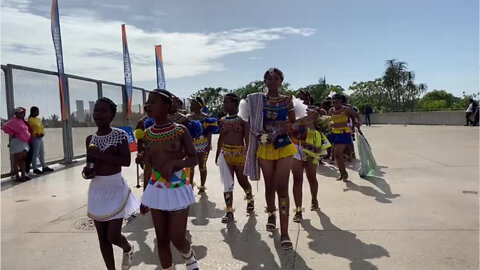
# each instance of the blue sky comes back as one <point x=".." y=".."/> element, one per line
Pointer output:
<point x="230" y="43"/>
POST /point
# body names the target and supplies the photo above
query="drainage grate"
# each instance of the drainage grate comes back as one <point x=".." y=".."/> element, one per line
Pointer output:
<point x="85" y="224"/>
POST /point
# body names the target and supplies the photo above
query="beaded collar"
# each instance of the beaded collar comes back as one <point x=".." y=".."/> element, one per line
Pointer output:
<point x="231" y="121"/>
<point x="163" y="133"/>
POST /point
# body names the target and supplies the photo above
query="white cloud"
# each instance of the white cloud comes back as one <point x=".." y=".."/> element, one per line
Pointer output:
<point x="93" y="48"/>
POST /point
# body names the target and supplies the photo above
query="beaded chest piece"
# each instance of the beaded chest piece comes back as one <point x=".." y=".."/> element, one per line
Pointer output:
<point x="231" y="121"/>
<point x="163" y="133"/>
<point x="115" y="137"/>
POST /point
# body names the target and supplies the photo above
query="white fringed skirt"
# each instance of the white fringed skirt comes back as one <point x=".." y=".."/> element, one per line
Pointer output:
<point x="158" y="196"/>
<point x="109" y="197"/>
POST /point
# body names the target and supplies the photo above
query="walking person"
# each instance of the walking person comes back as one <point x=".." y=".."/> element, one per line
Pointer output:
<point x="368" y="112"/>
<point x="471" y="111"/>
<point x="168" y="192"/>
<point x="342" y="133"/>
<point x="202" y="143"/>
<point x="270" y="116"/>
<point x="38" y="151"/>
<point x="17" y="128"/>
<point x="310" y="146"/>
<point x="110" y="199"/>
<point x="232" y="145"/>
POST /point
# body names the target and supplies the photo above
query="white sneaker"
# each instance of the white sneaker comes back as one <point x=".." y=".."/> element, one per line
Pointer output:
<point x="128" y="258"/>
<point x="191" y="262"/>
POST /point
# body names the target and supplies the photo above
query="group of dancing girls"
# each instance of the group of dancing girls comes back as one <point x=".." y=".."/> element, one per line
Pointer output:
<point x="266" y="132"/>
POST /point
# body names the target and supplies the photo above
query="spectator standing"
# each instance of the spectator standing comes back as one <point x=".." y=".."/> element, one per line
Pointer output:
<point x="38" y="132"/>
<point x="18" y="130"/>
<point x="368" y="111"/>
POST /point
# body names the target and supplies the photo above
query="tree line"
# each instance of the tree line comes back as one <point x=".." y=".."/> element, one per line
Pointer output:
<point x="395" y="91"/>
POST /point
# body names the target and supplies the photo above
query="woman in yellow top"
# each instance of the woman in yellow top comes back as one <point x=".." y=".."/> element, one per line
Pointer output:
<point x="38" y="131"/>
<point x="342" y="133"/>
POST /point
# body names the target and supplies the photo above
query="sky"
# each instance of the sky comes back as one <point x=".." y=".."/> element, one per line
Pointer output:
<point x="224" y="43"/>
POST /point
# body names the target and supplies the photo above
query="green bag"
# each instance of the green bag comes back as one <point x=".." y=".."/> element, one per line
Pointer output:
<point x="368" y="164"/>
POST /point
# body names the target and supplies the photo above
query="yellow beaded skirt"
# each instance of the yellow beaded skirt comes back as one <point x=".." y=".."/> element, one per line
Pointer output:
<point x="235" y="155"/>
<point x="268" y="152"/>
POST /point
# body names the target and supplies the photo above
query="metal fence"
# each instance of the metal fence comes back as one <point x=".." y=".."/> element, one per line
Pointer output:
<point x="64" y="141"/>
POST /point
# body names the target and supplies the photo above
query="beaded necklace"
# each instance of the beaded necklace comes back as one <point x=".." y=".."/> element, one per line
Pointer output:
<point x="163" y="133"/>
<point x="231" y="121"/>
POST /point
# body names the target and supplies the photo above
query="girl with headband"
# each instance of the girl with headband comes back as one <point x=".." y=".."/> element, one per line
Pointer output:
<point x="271" y="116"/>
<point x="231" y="150"/>
<point x="203" y="142"/>
<point x="168" y="152"/>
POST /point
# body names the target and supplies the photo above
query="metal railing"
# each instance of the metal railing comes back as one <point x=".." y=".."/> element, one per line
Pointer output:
<point x="64" y="140"/>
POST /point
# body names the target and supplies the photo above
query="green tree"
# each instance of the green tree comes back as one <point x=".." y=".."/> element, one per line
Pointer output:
<point x="437" y="100"/>
<point x="259" y="86"/>
<point x="321" y="90"/>
<point x="369" y="93"/>
<point x="213" y="98"/>
<point x="401" y="91"/>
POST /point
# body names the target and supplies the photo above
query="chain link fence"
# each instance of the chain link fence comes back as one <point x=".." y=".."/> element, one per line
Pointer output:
<point x="26" y="87"/>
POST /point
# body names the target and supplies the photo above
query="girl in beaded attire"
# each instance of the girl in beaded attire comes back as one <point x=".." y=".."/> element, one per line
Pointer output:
<point x="232" y="145"/>
<point x="169" y="193"/>
<point x="110" y="199"/>
<point x="271" y="116"/>
<point x="202" y="143"/>
<point x="342" y="132"/>
<point x="311" y="144"/>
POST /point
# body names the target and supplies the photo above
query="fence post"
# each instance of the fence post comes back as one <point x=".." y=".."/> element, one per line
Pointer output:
<point x="99" y="89"/>
<point x="67" y="130"/>
<point x="9" y="96"/>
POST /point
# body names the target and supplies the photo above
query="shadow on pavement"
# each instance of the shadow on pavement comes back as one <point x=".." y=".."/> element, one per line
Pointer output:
<point x="247" y="246"/>
<point x="340" y="243"/>
<point x="139" y="228"/>
<point x="203" y="211"/>
<point x="385" y="196"/>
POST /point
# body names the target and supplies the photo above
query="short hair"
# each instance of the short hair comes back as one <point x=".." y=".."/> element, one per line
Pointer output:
<point x="111" y="104"/>
<point x="233" y="97"/>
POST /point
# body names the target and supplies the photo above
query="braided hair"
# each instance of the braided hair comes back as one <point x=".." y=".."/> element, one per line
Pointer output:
<point x="111" y="104"/>
<point x="168" y="98"/>
<point x="271" y="71"/>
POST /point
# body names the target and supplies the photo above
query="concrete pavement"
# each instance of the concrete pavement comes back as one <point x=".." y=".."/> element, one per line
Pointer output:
<point x="421" y="211"/>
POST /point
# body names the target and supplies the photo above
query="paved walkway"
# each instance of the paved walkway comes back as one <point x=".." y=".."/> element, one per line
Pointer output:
<point x="421" y="211"/>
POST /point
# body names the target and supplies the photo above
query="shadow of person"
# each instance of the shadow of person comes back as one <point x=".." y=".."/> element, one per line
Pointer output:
<point x="200" y="251"/>
<point x="203" y="210"/>
<point x="247" y="246"/>
<point x="381" y="184"/>
<point x="328" y="170"/>
<point x="340" y="243"/>
<point x="368" y="191"/>
<point x="139" y="229"/>
<point x="289" y="259"/>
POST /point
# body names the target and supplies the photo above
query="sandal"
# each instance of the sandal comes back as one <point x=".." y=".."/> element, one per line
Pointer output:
<point x="343" y="177"/>
<point x="228" y="216"/>
<point x="297" y="218"/>
<point x="285" y="242"/>
<point x="201" y="190"/>
<point x="250" y="203"/>
<point x="315" y="206"/>
<point x="272" y="221"/>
